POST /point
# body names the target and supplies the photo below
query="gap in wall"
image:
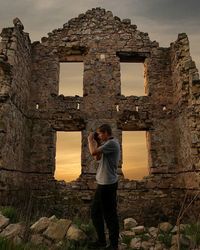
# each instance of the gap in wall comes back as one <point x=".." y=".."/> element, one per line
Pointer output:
<point x="132" y="79"/>
<point x="68" y="156"/>
<point x="71" y="79"/>
<point x="135" y="155"/>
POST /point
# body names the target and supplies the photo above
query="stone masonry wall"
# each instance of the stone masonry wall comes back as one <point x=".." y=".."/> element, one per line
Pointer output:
<point x="159" y="88"/>
<point x="31" y="110"/>
<point x="102" y="41"/>
<point x="186" y="86"/>
<point x="15" y="68"/>
<point x="44" y="84"/>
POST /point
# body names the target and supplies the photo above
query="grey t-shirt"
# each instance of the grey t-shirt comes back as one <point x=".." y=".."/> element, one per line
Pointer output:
<point x="108" y="164"/>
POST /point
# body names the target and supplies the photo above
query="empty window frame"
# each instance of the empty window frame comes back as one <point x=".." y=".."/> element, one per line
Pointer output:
<point x="68" y="156"/>
<point x="71" y="79"/>
<point x="132" y="79"/>
<point x="135" y="155"/>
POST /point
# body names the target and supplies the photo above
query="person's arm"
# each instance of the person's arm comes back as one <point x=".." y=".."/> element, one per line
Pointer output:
<point x="93" y="147"/>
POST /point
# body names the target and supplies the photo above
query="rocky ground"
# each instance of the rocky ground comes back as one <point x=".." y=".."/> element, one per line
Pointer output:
<point x="54" y="233"/>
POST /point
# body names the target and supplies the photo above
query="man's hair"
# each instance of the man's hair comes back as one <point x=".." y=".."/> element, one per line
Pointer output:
<point x="105" y="128"/>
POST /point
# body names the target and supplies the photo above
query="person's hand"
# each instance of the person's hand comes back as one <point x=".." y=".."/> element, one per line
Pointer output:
<point x="91" y="136"/>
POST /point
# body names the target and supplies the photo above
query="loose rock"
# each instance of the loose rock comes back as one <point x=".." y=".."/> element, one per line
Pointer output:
<point x="74" y="233"/>
<point x="129" y="223"/>
<point x="57" y="230"/>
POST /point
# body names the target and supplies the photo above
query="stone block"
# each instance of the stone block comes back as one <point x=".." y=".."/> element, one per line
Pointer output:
<point x="136" y="243"/>
<point x="74" y="233"/>
<point x="138" y="229"/>
<point x="12" y="230"/>
<point x="3" y="222"/>
<point x="57" y="230"/>
<point x="165" y="227"/>
<point x="129" y="223"/>
<point x="40" y="225"/>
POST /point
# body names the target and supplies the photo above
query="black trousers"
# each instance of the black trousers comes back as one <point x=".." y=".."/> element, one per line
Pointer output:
<point x="104" y="207"/>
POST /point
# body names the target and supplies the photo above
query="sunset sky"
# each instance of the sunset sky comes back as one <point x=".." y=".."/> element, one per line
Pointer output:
<point x="162" y="19"/>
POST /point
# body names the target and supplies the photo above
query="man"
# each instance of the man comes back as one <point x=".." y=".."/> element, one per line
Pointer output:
<point x="104" y="205"/>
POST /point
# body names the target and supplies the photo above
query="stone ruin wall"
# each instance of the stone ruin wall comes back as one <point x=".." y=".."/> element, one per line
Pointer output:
<point x="186" y="86"/>
<point x="15" y="66"/>
<point x="31" y="111"/>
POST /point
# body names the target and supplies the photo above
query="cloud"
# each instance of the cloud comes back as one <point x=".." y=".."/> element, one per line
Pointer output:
<point x="163" y="19"/>
<point x="169" y="11"/>
<point x="40" y="17"/>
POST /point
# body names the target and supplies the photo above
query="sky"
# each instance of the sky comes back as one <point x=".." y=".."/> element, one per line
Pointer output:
<point x="162" y="19"/>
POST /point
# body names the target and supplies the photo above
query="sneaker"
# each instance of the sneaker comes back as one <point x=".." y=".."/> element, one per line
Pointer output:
<point x="97" y="245"/>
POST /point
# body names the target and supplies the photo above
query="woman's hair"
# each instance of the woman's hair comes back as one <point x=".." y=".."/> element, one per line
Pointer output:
<point x="105" y="128"/>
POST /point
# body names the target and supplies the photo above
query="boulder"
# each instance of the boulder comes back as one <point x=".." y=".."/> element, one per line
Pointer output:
<point x="129" y="223"/>
<point x="40" y="225"/>
<point x="74" y="233"/>
<point x="12" y="230"/>
<point x="159" y="246"/>
<point x="136" y="243"/>
<point x="153" y="231"/>
<point x="3" y="222"/>
<point x="37" y="239"/>
<point x="53" y="218"/>
<point x="138" y="229"/>
<point x="128" y="233"/>
<point x="165" y="227"/>
<point x="146" y="245"/>
<point x="57" y="230"/>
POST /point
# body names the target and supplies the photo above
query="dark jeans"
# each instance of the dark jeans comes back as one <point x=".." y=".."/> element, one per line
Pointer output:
<point x="105" y="207"/>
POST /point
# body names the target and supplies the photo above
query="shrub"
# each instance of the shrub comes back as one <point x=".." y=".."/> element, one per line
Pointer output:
<point x="165" y="238"/>
<point x="126" y="239"/>
<point x="193" y="232"/>
<point x="89" y="230"/>
<point x="144" y="236"/>
<point x="11" y="213"/>
<point x="6" y="244"/>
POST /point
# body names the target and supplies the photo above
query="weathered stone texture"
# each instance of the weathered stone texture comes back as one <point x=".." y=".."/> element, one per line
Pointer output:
<point x="14" y="102"/>
<point x="186" y="87"/>
<point x="31" y="111"/>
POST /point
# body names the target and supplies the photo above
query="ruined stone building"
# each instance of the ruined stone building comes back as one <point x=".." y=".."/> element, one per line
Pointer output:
<point x="32" y="111"/>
